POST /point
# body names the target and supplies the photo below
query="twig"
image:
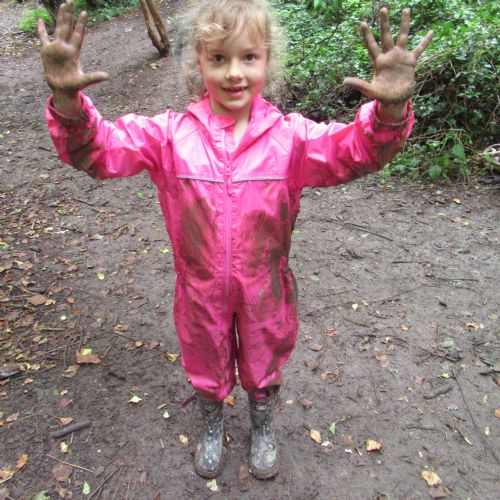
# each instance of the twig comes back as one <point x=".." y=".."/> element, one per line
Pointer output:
<point x="355" y="322"/>
<point x="70" y="428"/>
<point x="71" y="465"/>
<point x="443" y="356"/>
<point x="486" y="444"/>
<point x="105" y="480"/>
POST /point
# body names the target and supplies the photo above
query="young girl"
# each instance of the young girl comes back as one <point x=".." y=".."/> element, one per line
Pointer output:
<point x="229" y="173"/>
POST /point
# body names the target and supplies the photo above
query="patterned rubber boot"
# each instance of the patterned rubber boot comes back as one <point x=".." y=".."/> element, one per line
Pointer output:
<point x="264" y="451"/>
<point x="208" y="455"/>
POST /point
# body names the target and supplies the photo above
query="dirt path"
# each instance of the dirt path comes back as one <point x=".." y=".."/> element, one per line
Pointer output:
<point x="398" y="343"/>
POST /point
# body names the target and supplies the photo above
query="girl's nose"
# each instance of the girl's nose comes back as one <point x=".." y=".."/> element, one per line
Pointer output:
<point x="234" y="71"/>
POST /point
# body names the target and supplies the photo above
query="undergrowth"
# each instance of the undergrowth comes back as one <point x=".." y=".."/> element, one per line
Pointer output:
<point x="457" y="96"/>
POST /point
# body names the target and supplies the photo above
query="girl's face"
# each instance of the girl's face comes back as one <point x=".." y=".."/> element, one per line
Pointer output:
<point x="234" y="72"/>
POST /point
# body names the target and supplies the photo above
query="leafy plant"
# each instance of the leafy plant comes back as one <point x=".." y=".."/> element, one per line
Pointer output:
<point x="456" y="103"/>
<point x="29" y="19"/>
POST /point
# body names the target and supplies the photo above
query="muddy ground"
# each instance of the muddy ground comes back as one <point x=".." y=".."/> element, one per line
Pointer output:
<point x="398" y="342"/>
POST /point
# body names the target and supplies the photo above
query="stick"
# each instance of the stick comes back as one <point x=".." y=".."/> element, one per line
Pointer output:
<point x="71" y="465"/>
<point x="70" y="428"/>
<point x="105" y="480"/>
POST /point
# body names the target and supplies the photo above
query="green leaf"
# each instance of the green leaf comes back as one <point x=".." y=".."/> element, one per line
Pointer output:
<point x="42" y="495"/>
<point x="448" y="343"/>
<point x="86" y="488"/>
<point x="435" y="172"/>
<point x="458" y="152"/>
<point x="333" y="428"/>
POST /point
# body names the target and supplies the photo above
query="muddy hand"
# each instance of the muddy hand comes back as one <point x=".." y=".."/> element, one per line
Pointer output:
<point x="61" y="55"/>
<point x="394" y="65"/>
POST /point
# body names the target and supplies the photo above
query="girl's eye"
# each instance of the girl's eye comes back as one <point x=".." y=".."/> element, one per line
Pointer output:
<point x="250" y="57"/>
<point x="218" y="58"/>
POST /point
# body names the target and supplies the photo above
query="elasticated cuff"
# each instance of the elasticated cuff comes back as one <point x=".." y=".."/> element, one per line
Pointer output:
<point x="73" y="123"/>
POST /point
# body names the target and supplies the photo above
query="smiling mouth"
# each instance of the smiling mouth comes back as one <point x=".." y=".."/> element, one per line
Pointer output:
<point x="234" y="90"/>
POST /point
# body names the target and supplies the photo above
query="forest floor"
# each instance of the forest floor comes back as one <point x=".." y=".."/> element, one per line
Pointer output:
<point x="398" y="341"/>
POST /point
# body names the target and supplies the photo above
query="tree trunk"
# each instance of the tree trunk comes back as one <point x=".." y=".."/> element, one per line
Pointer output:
<point x="153" y="18"/>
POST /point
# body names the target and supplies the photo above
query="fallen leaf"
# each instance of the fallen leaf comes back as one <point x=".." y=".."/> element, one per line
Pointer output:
<point x="404" y="328"/>
<point x="229" y="400"/>
<point x="70" y="371"/>
<point x="62" y="472"/>
<point x="430" y="477"/>
<point x="355" y="306"/>
<point x="42" y="495"/>
<point x="372" y="445"/>
<point x="316" y="347"/>
<point x="101" y="276"/>
<point x="64" y="447"/>
<point x="306" y="403"/>
<point x="212" y="485"/>
<point x="149" y="345"/>
<point x="184" y="440"/>
<point x="333" y="428"/>
<point x="90" y="359"/>
<point x="27" y="381"/>
<point x="65" y="420"/>
<point x="86" y="488"/>
<point x="315" y="436"/>
<point x="164" y="250"/>
<point x="37" y="300"/>
<point x="135" y="399"/>
<point x="13" y="417"/>
<point x="166" y="414"/>
<point x="497" y="413"/>
<point x="143" y="477"/>
<point x="5" y="474"/>
<point x="438" y="492"/>
<point x="171" y="357"/>
<point x="243" y="473"/>
<point x="22" y="461"/>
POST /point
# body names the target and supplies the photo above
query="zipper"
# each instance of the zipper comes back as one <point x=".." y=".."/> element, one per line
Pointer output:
<point x="227" y="220"/>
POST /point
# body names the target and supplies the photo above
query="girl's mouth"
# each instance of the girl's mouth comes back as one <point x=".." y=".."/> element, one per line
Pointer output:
<point x="235" y="91"/>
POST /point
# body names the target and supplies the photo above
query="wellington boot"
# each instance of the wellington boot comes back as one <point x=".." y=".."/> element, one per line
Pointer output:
<point x="208" y="455"/>
<point x="264" y="452"/>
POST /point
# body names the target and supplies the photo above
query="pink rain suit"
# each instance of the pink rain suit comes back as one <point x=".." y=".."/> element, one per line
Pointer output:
<point x="230" y="211"/>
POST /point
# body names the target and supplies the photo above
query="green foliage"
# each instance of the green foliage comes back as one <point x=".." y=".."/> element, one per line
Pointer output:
<point x="457" y="83"/>
<point x="30" y="18"/>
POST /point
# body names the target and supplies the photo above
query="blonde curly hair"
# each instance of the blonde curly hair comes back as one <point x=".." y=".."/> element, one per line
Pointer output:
<point x="210" y="22"/>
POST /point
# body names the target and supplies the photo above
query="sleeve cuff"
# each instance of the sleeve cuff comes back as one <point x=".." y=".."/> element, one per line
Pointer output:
<point x="393" y="125"/>
<point x="70" y="122"/>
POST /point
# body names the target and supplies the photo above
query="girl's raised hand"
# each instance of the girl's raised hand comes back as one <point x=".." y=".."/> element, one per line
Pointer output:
<point x="61" y="55"/>
<point x="394" y="65"/>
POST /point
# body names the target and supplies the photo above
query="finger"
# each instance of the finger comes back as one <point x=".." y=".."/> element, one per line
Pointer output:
<point x="417" y="51"/>
<point x="370" y="42"/>
<point x="385" y="30"/>
<point x="358" y="84"/>
<point x="404" y="29"/>
<point x="95" y="77"/>
<point x="79" y="31"/>
<point x="42" y="32"/>
<point x="67" y="24"/>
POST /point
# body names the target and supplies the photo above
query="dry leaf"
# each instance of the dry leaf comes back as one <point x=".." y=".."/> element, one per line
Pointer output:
<point x="497" y="413"/>
<point x="90" y="359"/>
<point x="37" y="300"/>
<point x="5" y="474"/>
<point x="372" y="445"/>
<point x="184" y="439"/>
<point x="315" y="436"/>
<point x="64" y="447"/>
<point x="12" y="418"/>
<point x="27" y="381"/>
<point x="430" y="477"/>
<point x="229" y="400"/>
<point x="62" y="472"/>
<point x="306" y="403"/>
<point x="212" y="485"/>
<point x="70" y="371"/>
<point x="404" y="328"/>
<point x="171" y="356"/>
<point x="22" y="461"/>
<point x="135" y="399"/>
<point x="65" y="420"/>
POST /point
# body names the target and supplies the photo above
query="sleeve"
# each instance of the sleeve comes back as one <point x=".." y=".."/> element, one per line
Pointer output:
<point x="105" y="149"/>
<point x="334" y="153"/>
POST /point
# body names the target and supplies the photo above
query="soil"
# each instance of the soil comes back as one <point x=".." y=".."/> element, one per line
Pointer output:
<point x="399" y="320"/>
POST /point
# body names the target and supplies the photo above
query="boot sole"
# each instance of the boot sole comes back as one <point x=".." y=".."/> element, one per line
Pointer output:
<point x="268" y="474"/>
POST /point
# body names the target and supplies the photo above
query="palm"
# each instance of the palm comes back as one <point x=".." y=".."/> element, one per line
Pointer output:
<point x="394" y="65"/>
<point x="61" y="56"/>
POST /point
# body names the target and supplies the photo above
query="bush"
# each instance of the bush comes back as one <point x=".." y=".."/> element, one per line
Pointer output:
<point x="30" y="18"/>
<point x="457" y="86"/>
